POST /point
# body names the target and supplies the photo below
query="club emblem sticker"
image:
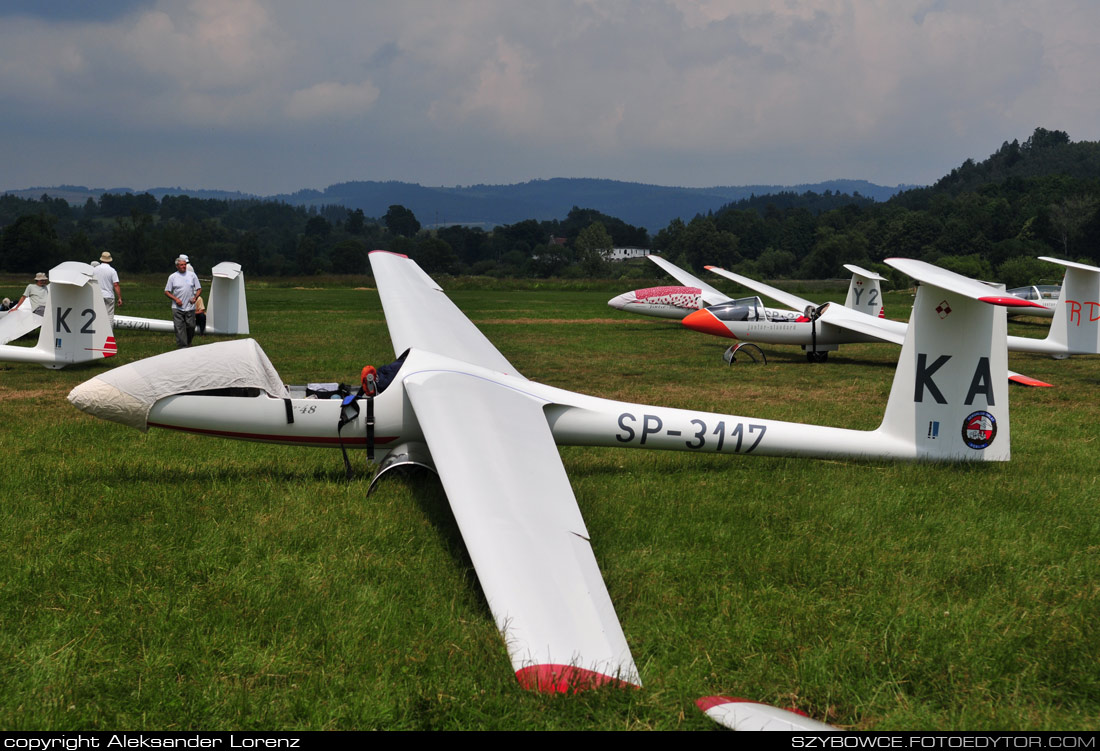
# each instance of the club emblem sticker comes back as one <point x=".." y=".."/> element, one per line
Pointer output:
<point x="979" y="429"/>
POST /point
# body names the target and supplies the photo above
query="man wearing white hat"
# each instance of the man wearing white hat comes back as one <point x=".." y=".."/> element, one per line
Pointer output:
<point x="183" y="289"/>
<point x="36" y="294"/>
<point x="108" y="284"/>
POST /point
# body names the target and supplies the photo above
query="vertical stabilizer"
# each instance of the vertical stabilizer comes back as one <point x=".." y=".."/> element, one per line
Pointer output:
<point x="865" y="292"/>
<point x="75" y="327"/>
<point x="227" y="312"/>
<point x="950" y="393"/>
<point x="1075" y="328"/>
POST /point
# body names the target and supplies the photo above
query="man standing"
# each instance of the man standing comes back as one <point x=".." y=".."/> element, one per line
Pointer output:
<point x="183" y="289"/>
<point x="108" y="285"/>
<point x="36" y="294"/>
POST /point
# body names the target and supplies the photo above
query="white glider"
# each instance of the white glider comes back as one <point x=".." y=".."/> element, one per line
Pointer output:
<point x="226" y="312"/>
<point x="864" y="294"/>
<point x="458" y="405"/>
<point x="1074" y="330"/>
<point x="74" y="327"/>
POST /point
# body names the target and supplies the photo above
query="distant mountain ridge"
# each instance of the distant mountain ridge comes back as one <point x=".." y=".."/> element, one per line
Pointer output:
<point x="639" y="204"/>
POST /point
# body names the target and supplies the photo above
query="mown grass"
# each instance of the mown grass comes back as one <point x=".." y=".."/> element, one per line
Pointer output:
<point x="169" y="581"/>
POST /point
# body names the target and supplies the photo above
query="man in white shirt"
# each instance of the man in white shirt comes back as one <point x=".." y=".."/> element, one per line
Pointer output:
<point x="183" y="288"/>
<point x="108" y="284"/>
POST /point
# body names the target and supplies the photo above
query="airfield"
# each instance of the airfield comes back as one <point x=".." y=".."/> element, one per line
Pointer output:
<point x="169" y="581"/>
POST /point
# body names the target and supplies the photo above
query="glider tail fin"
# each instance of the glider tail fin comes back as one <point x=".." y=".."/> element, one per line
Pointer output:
<point x="949" y="399"/>
<point x="1076" y="324"/>
<point x="227" y="312"/>
<point x="865" y="292"/>
<point x="75" y="327"/>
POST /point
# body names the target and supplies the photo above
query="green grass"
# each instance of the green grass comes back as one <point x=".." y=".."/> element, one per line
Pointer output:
<point x="166" y="581"/>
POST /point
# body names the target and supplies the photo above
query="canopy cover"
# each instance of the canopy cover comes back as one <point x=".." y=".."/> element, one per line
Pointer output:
<point x="127" y="393"/>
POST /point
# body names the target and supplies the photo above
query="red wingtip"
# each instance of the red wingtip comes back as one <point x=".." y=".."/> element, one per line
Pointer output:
<point x="565" y="679"/>
<point x="399" y="255"/>
<point x="704" y="320"/>
<point x="1029" y="381"/>
<point x="709" y="702"/>
<point x="1011" y="302"/>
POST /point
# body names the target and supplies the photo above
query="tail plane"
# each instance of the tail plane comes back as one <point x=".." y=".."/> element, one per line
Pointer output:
<point x="949" y="398"/>
<point x="75" y="327"/>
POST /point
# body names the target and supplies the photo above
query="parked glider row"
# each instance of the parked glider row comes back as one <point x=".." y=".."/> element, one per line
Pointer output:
<point x="494" y="448"/>
<point x="75" y="328"/>
<point x="823" y="328"/>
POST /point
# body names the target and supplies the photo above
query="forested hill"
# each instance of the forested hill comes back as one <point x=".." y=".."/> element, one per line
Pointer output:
<point x="988" y="220"/>
<point x="649" y="206"/>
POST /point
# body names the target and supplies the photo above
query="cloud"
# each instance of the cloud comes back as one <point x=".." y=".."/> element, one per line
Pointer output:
<point x="331" y="100"/>
<point x="458" y="91"/>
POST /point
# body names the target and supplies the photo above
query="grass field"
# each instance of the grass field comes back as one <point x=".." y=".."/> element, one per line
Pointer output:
<point x="167" y="581"/>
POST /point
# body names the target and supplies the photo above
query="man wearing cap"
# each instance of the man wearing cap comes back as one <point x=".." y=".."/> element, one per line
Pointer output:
<point x="183" y="289"/>
<point x="108" y="284"/>
<point x="37" y="293"/>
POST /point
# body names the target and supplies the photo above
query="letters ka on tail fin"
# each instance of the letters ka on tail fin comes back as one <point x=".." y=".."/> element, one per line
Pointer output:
<point x="950" y="392"/>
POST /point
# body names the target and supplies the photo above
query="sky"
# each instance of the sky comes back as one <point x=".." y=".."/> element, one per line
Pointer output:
<point x="278" y="95"/>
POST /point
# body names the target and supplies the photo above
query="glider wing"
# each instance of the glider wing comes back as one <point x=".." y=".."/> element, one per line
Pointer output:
<point x="711" y="296"/>
<point x="419" y="315"/>
<point x="794" y="302"/>
<point x="17" y="323"/>
<point x="518" y="516"/>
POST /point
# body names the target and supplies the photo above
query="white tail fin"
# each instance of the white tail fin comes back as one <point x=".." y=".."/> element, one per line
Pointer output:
<point x="950" y="392"/>
<point x="75" y="327"/>
<point x="227" y="312"/>
<point x="864" y="291"/>
<point x="1075" y="328"/>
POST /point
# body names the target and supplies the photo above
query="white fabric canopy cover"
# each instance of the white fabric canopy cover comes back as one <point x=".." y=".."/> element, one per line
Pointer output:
<point x="127" y="393"/>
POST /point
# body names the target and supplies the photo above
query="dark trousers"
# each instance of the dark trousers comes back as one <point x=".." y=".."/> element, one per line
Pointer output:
<point x="184" y="322"/>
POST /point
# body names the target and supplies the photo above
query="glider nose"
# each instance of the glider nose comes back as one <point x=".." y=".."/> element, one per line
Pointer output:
<point x="619" y="302"/>
<point x="705" y="321"/>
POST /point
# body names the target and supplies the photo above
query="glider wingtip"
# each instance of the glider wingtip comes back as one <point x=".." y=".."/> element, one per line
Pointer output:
<point x="388" y="252"/>
<point x="1029" y="381"/>
<point x="1010" y="302"/>
<point x="566" y="679"/>
<point x="710" y="702"/>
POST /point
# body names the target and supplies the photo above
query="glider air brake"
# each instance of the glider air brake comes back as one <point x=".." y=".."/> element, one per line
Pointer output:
<point x="1073" y="331"/>
<point x="226" y="313"/>
<point x="74" y="327"/>
<point x="458" y="406"/>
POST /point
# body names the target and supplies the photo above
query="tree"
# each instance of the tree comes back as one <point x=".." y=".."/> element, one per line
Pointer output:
<point x="401" y="221"/>
<point x="593" y="246"/>
<point x="1069" y="216"/>
<point x="30" y="244"/>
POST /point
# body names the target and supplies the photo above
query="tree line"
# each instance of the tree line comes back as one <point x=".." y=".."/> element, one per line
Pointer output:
<point x="987" y="220"/>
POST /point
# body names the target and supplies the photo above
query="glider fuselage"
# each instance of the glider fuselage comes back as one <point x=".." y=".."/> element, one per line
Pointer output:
<point x="574" y="419"/>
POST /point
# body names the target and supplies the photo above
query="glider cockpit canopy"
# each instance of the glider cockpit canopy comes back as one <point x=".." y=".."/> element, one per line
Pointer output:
<point x="748" y="309"/>
<point x="125" y="395"/>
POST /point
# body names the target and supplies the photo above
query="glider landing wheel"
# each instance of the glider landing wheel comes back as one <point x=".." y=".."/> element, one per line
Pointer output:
<point x="812" y="356"/>
<point x="730" y="355"/>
